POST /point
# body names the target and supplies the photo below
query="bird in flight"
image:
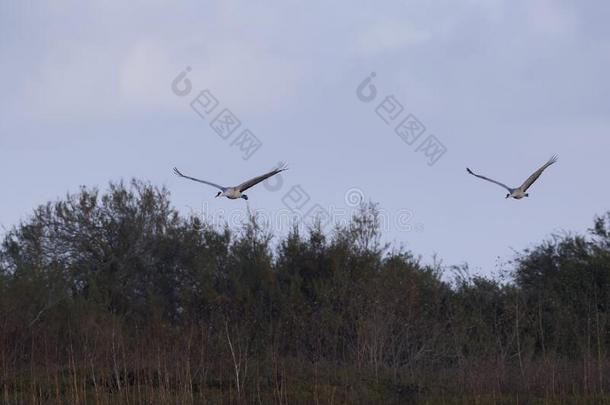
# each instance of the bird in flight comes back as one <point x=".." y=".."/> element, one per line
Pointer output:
<point x="238" y="191"/>
<point x="519" y="192"/>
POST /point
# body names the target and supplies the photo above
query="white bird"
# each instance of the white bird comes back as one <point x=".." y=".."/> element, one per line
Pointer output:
<point x="237" y="191"/>
<point x="519" y="192"/>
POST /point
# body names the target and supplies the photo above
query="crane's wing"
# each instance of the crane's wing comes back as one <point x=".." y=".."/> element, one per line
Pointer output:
<point x="488" y="179"/>
<point x="200" y="181"/>
<point x="530" y="180"/>
<point x="252" y="182"/>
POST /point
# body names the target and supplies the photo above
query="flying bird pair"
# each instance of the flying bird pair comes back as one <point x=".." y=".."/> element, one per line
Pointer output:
<point x="521" y="191"/>
<point x="238" y="191"/>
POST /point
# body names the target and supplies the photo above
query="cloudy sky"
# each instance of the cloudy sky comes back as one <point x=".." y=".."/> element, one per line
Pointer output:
<point x="87" y="97"/>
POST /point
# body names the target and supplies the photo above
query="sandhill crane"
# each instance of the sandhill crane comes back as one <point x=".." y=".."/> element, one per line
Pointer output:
<point x="237" y="191"/>
<point x="519" y="192"/>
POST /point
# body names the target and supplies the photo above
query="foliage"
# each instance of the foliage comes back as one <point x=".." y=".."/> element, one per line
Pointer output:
<point x="115" y="296"/>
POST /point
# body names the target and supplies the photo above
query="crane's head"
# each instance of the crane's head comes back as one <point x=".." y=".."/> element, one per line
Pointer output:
<point x="507" y="195"/>
<point x="219" y="194"/>
<point x="527" y="195"/>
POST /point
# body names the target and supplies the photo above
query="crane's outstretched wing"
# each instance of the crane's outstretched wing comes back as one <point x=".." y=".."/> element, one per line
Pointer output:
<point x="530" y="180"/>
<point x="488" y="179"/>
<point x="252" y="182"/>
<point x="200" y="181"/>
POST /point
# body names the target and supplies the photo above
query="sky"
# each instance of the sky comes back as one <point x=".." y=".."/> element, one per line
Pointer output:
<point x="107" y="90"/>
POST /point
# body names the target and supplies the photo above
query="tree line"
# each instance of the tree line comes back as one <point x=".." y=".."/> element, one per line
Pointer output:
<point x="114" y="296"/>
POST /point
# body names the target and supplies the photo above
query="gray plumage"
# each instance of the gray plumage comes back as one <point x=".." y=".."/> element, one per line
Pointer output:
<point x="520" y="191"/>
<point x="236" y="191"/>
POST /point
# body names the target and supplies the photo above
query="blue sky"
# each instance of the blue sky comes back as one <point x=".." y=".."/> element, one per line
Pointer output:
<point x="503" y="85"/>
